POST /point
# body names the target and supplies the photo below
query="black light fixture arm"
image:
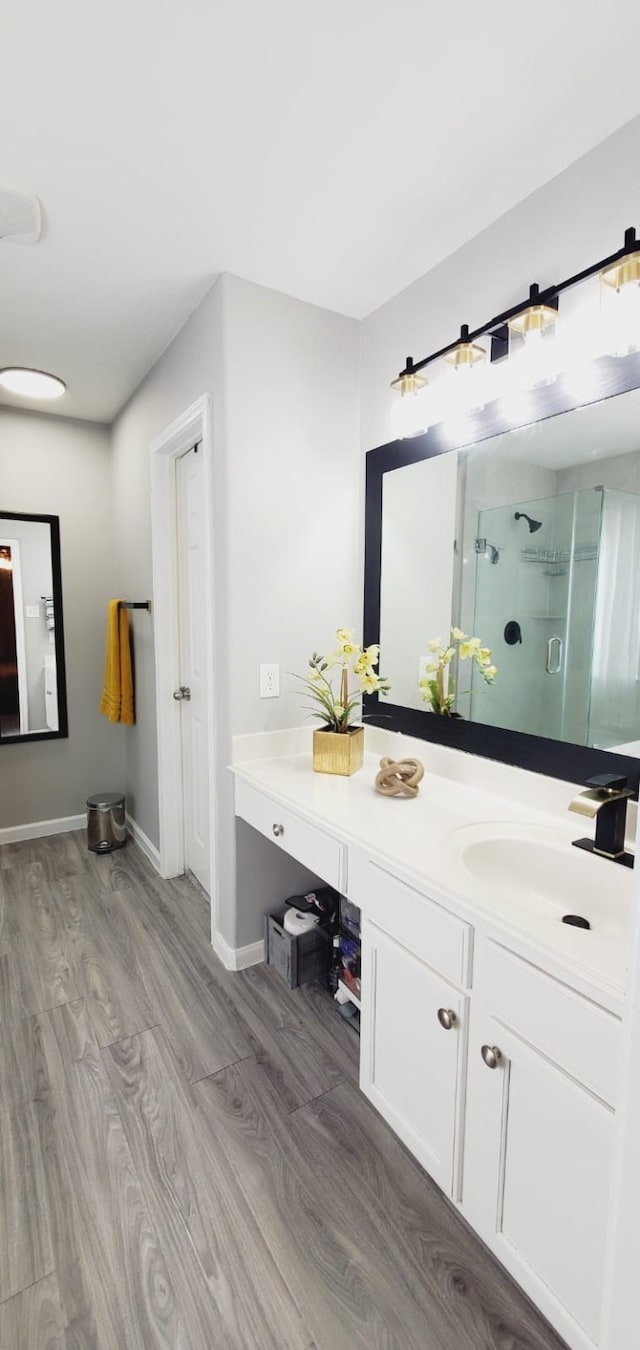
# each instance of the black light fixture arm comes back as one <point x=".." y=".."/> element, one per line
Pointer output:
<point x="549" y="296"/>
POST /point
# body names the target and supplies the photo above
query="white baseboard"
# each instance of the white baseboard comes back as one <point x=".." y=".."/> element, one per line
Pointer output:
<point x="144" y="843"/>
<point x="13" y="834"/>
<point x="238" y="958"/>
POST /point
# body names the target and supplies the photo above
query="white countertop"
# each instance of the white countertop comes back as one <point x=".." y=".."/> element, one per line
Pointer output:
<point x="413" y="837"/>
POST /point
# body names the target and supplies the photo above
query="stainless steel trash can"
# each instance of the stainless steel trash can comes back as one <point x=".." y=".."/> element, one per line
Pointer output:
<point x="106" y="827"/>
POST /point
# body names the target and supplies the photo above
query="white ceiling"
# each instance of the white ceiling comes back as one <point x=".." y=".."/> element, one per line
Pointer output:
<point x="333" y="151"/>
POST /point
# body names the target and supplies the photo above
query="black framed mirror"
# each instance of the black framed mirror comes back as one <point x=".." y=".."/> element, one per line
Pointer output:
<point x="33" y="693"/>
<point x="524" y="531"/>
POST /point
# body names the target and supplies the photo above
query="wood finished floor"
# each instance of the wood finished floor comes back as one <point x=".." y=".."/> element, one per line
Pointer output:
<point x="185" y="1159"/>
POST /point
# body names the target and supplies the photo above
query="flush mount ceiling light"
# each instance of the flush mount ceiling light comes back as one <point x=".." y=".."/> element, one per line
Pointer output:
<point x="465" y="354"/>
<point x="408" y="381"/>
<point x="31" y="383"/>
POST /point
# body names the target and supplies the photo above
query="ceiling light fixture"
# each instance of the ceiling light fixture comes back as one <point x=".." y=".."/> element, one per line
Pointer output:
<point x="29" y="383"/>
<point x="465" y="355"/>
<point x="408" y="381"/>
<point x="625" y="272"/>
<point x="536" y="319"/>
<point x="620" y="292"/>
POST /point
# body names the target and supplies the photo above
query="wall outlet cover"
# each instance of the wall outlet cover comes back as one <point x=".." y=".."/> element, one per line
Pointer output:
<point x="269" y="680"/>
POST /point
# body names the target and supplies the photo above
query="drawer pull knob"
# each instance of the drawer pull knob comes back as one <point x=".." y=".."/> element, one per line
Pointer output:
<point x="446" y="1018"/>
<point x="278" y="830"/>
<point x="491" y="1056"/>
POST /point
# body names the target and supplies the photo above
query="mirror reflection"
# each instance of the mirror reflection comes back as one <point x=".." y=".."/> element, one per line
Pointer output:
<point x="30" y="699"/>
<point x="531" y="542"/>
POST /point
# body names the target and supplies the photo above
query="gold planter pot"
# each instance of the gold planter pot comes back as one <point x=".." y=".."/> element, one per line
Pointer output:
<point x="338" y="752"/>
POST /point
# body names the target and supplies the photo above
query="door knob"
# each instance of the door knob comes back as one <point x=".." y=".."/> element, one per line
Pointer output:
<point x="446" y="1018"/>
<point x="183" y="693"/>
<point x="491" y="1056"/>
<point x="278" y="830"/>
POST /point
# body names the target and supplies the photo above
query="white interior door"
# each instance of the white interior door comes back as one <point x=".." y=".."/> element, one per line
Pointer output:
<point x="194" y="710"/>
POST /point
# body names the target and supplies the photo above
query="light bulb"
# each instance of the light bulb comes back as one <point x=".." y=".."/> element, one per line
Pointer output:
<point x="621" y="312"/>
<point x="411" y="414"/>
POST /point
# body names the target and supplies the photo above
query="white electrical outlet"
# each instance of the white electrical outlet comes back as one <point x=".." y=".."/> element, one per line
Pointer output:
<point x="270" y="680"/>
<point x="32" y="611"/>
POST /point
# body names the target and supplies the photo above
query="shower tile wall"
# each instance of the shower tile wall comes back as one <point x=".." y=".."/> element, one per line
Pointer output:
<point x="543" y="681"/>
<point x="513" y="590"/>
<point x="494" y="481"/>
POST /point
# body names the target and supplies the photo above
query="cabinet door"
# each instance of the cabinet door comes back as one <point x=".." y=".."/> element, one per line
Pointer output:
<point x="537" y="1171"/>
<point x="411" y="1066"/>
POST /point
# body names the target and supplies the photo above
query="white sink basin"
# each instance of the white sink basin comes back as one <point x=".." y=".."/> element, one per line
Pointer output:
<point x="535" y="870"/>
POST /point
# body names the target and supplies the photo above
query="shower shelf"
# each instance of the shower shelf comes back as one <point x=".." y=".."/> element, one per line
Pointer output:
<point x="584" y="553"/>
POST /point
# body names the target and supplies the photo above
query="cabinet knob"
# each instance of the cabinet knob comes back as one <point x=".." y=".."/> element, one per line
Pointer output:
<point x="278" y="830"/>
<point x="446" y="1018"/>
<point x="491" y="1056"/>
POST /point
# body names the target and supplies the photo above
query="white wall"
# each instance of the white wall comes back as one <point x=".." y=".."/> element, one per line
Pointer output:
<point x="287" y="524"/>
<point x="52" y="466"/>
<point x="568" y="224"/>
<point x="295" y="543"/>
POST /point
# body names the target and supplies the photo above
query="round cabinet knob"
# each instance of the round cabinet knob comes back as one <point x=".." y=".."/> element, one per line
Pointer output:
<point x="491" y="1056"/>
<point x="278" y="830"/>
<point x="446" y="1018"/>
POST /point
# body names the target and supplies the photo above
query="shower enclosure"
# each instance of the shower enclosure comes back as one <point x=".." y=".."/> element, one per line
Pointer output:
<point x="557" y="598"/>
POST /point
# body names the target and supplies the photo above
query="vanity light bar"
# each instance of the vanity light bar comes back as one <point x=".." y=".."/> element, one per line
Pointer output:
<point x="547" y="300"/>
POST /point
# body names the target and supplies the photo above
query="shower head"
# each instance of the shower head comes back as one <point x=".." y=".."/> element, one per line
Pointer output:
<point x="533" y="524"/>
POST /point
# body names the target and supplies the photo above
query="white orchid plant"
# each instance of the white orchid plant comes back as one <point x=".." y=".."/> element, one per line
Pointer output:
<point x="437" y="686"/>
<point x="337" y="707"/>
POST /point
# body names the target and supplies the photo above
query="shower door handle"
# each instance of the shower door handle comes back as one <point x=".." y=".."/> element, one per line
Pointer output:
<point x="554" y="667"/>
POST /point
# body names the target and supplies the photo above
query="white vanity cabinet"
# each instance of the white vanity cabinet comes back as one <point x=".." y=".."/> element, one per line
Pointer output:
<point x="495" y="1065"/>
<point x="415" y="963"/>
<point x="539" y="1136"/>
<point x="412" y="1058"/>
<point x="315" y="849"/>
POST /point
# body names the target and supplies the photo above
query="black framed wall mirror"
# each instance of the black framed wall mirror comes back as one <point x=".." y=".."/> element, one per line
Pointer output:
<point x="33" y="697"/>
<point x="526" y="534"/>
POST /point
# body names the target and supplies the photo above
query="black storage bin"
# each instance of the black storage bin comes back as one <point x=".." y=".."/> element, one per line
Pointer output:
<point x="298" y="958"/>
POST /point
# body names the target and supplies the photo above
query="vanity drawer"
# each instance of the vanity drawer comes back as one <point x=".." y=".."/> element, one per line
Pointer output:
<point x="582" y="1038"/>
<point x="421" y="925"/>
<point x="323" y="856"/>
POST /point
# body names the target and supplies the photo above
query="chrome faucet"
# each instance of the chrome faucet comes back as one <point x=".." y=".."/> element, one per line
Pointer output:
<point x="606" y="798"/>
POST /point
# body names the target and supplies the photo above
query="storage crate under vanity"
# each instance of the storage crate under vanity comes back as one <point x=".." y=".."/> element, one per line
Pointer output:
<point x="297" y="957"/>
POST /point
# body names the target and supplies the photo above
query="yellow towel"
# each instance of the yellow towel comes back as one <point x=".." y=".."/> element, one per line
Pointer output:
<point x="117" y="695"/>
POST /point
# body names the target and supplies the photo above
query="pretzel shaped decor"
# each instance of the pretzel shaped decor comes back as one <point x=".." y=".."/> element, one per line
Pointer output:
<point x="399" y="777"/>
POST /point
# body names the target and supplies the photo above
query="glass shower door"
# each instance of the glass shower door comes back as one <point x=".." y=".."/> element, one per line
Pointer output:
<point x="536" y="573"/>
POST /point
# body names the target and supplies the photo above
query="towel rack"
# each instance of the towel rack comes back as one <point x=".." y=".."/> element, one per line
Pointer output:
<point x="136" y="604"/>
